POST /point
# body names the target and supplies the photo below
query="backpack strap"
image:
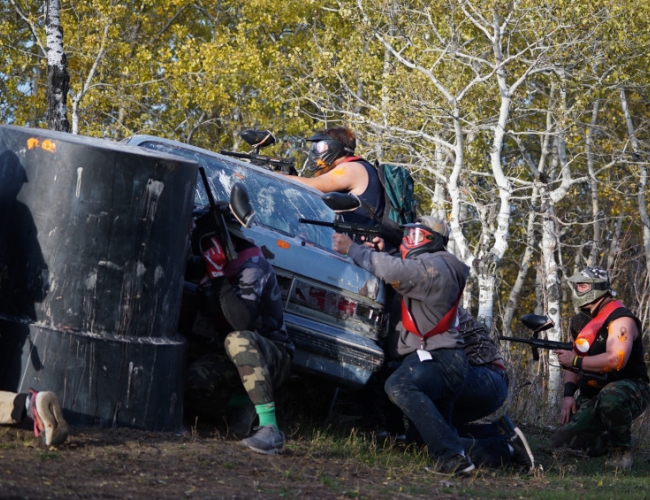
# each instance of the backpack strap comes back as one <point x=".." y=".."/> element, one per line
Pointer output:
<point x="587" y="335"/>
<point x="444" y="324"/>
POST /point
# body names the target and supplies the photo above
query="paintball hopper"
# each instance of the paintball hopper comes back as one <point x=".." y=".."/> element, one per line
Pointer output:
<point x="537" y="323"/>
<point x="258" y="139"/>
<point x="240" y="205"/>
<point x="341" y="202"/>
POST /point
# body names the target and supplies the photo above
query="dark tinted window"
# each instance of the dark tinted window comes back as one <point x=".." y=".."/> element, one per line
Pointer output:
<point x="278" y="202"/>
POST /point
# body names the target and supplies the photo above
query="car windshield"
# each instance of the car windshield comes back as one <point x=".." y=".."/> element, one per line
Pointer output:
<point x="278" y="202"/>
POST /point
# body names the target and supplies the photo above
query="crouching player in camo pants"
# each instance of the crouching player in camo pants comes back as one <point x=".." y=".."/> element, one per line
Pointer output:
<point x="256" y="355"/>
<point x="607" y="366"/>
<point x="41" y="407"/>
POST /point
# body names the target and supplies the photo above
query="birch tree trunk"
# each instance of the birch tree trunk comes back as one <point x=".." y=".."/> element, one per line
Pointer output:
<point x="57" y="70"/>
<point x="643" y="178"/>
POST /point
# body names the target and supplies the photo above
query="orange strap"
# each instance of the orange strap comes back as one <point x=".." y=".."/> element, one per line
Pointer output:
<point x="587" y="335"/>
<point x="441" y="327"/>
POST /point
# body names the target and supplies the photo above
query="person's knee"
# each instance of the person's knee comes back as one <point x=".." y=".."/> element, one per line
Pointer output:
<point x="396" y="390"/>
<point x="611" y="402"/>
<point x="239" y="342"/>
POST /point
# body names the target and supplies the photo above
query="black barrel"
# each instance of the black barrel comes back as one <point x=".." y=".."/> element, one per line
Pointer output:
<point x="93" y="240"/>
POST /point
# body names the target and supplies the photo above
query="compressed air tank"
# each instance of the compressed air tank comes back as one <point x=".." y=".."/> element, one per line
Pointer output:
<point x="93" y="240"/>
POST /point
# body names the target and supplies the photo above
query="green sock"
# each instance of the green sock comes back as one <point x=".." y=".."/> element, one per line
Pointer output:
<point x="266" y="413"/>
<point x="238" y="400"/>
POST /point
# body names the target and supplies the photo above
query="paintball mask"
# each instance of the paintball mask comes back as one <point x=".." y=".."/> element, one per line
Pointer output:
<point x="599" y="285"/>
<point x="324" y="151"/>
<point x="428" y="234"/>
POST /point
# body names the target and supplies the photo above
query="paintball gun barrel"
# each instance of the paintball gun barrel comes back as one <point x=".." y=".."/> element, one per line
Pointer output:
<point x="347" y="227"/>
<point x="339" y="203"/>
<point x="220" y="228"/>
<point x="540" y="343"/>
<point x="538" y="323"/>
<point x="259" y="139"/>
<point x="284" y="165"/>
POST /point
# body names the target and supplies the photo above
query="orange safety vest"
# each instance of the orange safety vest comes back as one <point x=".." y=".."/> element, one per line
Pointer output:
<point x="587" y="335"/>
<point x="441" y="327"/>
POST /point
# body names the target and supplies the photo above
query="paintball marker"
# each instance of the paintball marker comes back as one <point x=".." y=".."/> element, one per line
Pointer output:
<point x="259" y="139"/>
<point x="340" y="202"/>
<point x="239" y="206"/>
<point x="538" y="323"/>
<point x="219" y="226"/>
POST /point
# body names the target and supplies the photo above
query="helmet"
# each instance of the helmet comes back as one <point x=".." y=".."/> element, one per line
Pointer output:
<point x="324" y="151"/>
<point x="428" y="234"/>
<point x="597" y="278"/>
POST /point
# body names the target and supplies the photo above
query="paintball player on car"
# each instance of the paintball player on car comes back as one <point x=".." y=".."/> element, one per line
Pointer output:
<point x="241" y="372"/>
<point x="335" y="168"/>
<point x="608" y="344"/>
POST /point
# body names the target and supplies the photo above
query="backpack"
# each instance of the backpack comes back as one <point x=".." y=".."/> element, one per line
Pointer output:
<point x="400" y="204"/>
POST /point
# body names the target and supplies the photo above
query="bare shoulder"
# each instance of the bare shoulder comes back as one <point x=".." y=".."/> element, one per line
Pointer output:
<point x="624" y="328"/>
<point x="351" y="167"/>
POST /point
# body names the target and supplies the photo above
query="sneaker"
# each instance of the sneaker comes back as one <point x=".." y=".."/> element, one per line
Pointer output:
<point x="521" y="454"/>
<point x="241" y="420"/>
<point x="267" y="440"/>
<point x="48" y="419"/>
<point x="506" y="427"/>
<point x="620" y="459"/>
<point x="452" y="466"/>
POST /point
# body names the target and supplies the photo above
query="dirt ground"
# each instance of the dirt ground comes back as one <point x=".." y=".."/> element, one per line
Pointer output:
<point x="124" y="463"/>
<point x="326" y="456"/>
<point x="129" y="464"/>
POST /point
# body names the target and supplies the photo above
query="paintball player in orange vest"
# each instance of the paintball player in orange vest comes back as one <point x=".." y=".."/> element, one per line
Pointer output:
<point x="607" y="366"/>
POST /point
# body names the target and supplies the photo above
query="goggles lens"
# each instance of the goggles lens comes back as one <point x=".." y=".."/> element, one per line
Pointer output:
<point x="414" y="236"/>
<point x="582" y="288"/>
<point x="319" y="147"/>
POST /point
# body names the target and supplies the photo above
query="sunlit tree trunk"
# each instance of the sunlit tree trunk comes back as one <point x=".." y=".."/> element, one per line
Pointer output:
<point x="57" y="70"/>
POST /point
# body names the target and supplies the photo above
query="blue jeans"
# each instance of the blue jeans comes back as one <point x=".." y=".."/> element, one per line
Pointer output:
<point x="425" y="391"/>
<point x="485" y="390"/>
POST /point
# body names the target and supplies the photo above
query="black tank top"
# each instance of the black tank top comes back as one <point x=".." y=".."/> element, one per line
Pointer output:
<point x="372" y="197"/>
<point x="635" y="368"/>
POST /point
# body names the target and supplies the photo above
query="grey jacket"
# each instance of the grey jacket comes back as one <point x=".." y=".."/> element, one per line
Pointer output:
<point x="430" y="284"/>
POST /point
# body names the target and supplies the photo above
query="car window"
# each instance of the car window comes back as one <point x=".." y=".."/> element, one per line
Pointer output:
<point x="278" y="202"/>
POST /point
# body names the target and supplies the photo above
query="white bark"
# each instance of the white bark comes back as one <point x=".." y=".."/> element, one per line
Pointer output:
<point x="58" y="79"/>
<point x="643" y="177"/>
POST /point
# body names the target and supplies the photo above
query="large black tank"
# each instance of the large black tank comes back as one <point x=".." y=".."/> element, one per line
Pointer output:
<point x="93" y="239"/>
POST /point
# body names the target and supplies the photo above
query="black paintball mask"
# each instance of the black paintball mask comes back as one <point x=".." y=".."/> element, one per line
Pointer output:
<point x="324" y="151"/>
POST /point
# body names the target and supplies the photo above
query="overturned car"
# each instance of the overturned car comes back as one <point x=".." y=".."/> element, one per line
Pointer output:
<point x="334" y="310"/>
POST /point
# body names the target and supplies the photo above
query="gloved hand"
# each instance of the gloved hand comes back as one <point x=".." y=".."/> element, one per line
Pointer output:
<point x="215" y="259"/>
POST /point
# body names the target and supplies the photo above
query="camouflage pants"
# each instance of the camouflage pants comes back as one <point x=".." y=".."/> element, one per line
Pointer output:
<point x="250" y="364"/>
<point x="611" y="411"/>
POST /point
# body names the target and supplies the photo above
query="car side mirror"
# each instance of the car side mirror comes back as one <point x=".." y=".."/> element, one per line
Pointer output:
<point x="341" y="202"/>
<point x="240" y="205"/>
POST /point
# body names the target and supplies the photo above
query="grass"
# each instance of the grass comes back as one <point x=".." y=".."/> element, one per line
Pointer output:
<point x="400" y="471"/>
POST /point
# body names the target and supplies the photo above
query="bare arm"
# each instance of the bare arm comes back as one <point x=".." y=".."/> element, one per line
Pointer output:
<point x="568" y="402"/>
<point x="347" y="177"/>
<point x="622" y="333"/>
